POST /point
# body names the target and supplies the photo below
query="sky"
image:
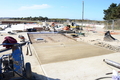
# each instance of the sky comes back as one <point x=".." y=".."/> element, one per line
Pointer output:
<point x="71" y="9"/>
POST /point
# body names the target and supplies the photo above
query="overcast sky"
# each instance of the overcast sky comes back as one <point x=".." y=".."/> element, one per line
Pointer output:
<point x="72" y="9"/>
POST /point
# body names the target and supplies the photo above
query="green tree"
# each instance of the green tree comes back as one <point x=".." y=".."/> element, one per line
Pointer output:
<point x="113" y="12"/>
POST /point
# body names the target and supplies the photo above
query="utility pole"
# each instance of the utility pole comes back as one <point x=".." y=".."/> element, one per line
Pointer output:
<point x="82" y="12"/>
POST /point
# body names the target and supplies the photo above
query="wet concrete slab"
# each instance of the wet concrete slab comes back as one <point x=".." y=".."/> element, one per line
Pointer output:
<point x="57" y="52"/>
<point x="59" y="47"/>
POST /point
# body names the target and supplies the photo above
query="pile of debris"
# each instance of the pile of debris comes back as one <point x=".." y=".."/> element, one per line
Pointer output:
<point x="107" y="42"/>
<point x="108" y="46"/>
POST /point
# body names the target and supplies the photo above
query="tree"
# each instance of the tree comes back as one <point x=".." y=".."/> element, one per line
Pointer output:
<point x="46" y="18"/>
<point x="113" y="12"/>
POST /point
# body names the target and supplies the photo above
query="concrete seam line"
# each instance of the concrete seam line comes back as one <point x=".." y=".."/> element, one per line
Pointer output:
<point x="40" y="63"/>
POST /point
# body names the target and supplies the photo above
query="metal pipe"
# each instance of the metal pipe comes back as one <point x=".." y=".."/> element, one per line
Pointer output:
<point x="5" y="49"/>
<point x="112" y="63"/>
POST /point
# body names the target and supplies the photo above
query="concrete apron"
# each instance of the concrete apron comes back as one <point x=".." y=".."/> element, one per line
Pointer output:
<point x="92" y="68"/>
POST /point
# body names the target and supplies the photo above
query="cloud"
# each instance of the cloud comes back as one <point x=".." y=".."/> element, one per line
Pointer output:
<point x="43" y="6"/>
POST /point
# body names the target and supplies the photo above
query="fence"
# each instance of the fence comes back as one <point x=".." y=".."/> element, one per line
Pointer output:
<point x="112" y="25"/>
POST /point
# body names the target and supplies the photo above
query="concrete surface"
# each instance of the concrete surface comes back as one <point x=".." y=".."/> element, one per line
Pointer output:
<point x="92" y="68"/>
<point x="57" y="52"/>
<point x="60" y="66"/>
<point x="86" y="68"/>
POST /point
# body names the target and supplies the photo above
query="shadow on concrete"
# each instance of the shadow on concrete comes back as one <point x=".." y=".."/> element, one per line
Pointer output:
<point x="103" y="78"/>
<point x="42" y="77"/>
<point x="35" y="77"/>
